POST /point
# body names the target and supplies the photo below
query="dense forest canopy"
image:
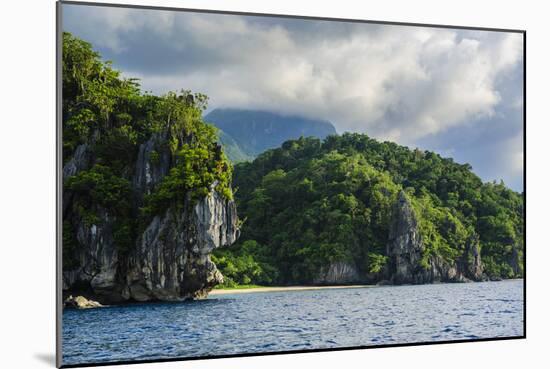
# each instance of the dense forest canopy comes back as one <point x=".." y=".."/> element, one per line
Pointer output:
<point x="111" y="117"/>
<point x="312" y="202"/>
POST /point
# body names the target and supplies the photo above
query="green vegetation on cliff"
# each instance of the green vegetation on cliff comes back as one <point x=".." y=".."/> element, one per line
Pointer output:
<point x="311" y="203"/>
<point x="307" y="205"/>
<point x="109" y="118"/>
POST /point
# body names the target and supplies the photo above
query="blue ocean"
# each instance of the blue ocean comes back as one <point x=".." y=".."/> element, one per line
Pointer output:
<point x="293" y="320"/>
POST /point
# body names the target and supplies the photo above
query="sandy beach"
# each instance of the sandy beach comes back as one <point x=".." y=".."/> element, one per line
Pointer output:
<point x="282" y="289"/>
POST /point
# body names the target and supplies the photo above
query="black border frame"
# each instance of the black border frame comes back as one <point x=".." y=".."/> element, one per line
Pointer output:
<point x="59" y="181"/>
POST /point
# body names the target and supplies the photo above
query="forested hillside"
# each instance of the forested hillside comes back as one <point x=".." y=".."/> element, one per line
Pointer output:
<point x="147" y="190"/>
<point x="312" y="203"/>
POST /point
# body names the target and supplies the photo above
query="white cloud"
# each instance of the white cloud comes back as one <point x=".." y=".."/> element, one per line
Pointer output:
<point x="392" y="82"/>
<point x="398" y="83"/>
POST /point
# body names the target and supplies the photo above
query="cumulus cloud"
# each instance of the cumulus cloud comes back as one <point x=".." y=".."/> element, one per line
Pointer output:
<point x="393" y="82"/>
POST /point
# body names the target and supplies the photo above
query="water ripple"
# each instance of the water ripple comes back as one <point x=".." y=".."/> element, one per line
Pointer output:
<point x="270" y="322"/>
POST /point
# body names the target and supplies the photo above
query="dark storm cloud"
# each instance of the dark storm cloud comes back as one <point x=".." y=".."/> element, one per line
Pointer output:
<point x="144" y="41"/>
<point x="457" y="92"/>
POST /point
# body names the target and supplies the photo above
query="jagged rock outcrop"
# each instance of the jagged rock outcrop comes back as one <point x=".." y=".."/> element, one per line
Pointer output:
<point x="79" y="161"/>
<point x="470" y="264"/>
<point x="405" y="247"/>
<point x="97" y="259"/>
<point x="171" y="257"/>
<point x="338" y="273"/>
<point x="153" y="163"/>
<point x="80" y="302"/>
<point x="405" y="251"/>
<point x="172" y="260"/>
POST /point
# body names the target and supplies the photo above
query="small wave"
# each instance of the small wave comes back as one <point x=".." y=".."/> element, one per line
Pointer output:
<point x="268" y="345"/>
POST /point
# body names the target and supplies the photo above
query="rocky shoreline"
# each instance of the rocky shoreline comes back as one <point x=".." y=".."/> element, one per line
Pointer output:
<point x="82" y="303"/>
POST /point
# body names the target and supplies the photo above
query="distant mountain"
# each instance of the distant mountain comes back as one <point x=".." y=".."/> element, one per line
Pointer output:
<point x="232" y="149"/>
<point x="257" y="131"/>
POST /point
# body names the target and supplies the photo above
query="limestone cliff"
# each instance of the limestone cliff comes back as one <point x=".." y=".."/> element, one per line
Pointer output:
<point x="339" y="273"/>
<point x="170" y="259"/>
<point x="405" y="250"/>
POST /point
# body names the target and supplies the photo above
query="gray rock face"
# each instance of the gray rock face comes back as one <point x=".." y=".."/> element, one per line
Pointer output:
<point x="97" y="259"/>
<point x="405" y="250"/>
<point x="338" y="273"/>
<point x="171" y="258"/>
<point x="153" y="163"/>
<point x="470" y="264"/>
<point x="172" y="261"/>
<point x="79" y="161"/>
<point x="443" y="271"/>
<point x="405" y="247"/>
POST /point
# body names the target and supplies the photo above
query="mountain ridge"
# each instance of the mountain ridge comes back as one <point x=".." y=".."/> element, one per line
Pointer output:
<point x="255" y="131"/>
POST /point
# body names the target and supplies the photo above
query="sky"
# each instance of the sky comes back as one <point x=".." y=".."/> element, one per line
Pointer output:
<point x="456" y="92"/>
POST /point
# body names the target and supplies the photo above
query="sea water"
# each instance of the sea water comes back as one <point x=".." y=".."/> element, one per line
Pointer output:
<point x="294" y="320"/>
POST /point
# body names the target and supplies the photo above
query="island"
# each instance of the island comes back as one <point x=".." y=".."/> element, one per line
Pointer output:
<point x="154" y="210"/>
